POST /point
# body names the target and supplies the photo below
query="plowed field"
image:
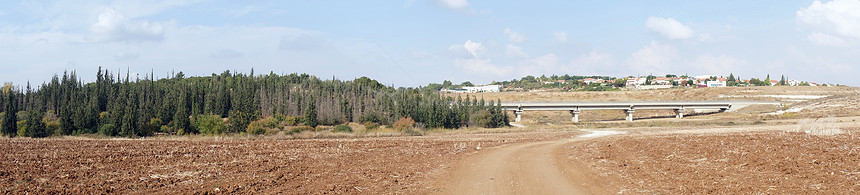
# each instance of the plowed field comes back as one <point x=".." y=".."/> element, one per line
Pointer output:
<point x="731" y="163"/>
<point x="321" y="166"/>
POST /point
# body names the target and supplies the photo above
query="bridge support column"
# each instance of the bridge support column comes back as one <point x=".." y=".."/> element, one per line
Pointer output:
<point x="679" y="113"/>
<point x="575" y="117"/>
<point x="629" y="113"/>
<point x="519" y="114"/>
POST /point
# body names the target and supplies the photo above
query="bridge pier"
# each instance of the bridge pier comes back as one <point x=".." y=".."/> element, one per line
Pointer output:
<point x="519" y="114"/>
<point x="575" y="117"/>
<point x="629" y="113"/>
<point x="679" y="113"/>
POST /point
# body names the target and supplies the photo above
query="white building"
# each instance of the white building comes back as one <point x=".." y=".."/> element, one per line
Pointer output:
<point x="793" y="82"/>
<point x="717" y="83"/>
<point x="632" y="82"/>
<point x="484" y="88"/>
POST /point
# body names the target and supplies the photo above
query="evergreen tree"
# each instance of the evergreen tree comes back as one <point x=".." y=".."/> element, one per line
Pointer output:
<point x="782" y="80"/>
<point x="310" y="116"/>
<point x="35" y="125"/>
<point x="181" y="121"/>
<point x="10" y="119"/>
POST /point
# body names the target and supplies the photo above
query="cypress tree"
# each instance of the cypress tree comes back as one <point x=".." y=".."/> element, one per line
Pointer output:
<point x="310" y="116"/>
<point x="180" y="119"/>
<point x="35" y="125"/>
<point x="10" y="119"/>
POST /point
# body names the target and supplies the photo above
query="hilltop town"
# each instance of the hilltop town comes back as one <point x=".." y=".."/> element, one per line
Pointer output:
<point x="607" y="83"/>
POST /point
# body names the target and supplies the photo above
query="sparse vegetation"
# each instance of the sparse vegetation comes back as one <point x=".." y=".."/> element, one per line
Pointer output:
<point x="403" y="124"/>
<point x="343" y="128"/>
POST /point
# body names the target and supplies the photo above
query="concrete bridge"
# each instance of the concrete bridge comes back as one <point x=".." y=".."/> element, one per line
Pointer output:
<point x="575" y="108"/>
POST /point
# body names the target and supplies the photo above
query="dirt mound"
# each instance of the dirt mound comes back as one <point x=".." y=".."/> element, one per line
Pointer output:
<point x="842" y="105"/>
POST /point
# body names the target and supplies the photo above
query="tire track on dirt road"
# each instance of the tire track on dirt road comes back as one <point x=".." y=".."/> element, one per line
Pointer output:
<point x="528" y="168"/>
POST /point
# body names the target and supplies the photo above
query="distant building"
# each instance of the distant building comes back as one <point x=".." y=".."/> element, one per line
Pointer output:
<point x="633" y="82"/>
<point x="589" y="81"/>
<point x="717" y="83"/>
<point x="661" y="81"/>
<point x="483" y="88"/>
<point x="793" y="82"/>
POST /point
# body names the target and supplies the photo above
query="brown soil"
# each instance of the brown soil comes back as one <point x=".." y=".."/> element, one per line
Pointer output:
<point x="783" y="162"/>
<point x="322" y="166"/>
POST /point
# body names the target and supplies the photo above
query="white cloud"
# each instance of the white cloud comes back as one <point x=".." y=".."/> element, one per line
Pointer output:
<point x="235" y="13"/>
<point x="722" y="64"/>
<point x="454" y="4"/>
<point x="515" y="51"/>
<point x="669" y="27"/>
<point x="824" y="39"/>
<point x="831" y="22"/>
<point x="481" y="67"/>
<point x="470" y="47"/>
<point x="473" y="47"/>
<point x="546" y="64"/>
<point x="561" y="37"/>
<point x="113" y="26"/>
<point x="514" y="36"/>
<point x="704" y="37"/>
<point x="302" y="42"/>
<point x="654" y="58"/>
<point x="225" y="54"/>
<point x="594" y="63"/>
<point x="123" y="56"/>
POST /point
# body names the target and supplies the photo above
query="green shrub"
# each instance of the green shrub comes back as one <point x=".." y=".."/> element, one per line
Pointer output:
<point x="53" y="127"/>
<point x="287" y="120"/>
<point x="239" y="121"/>
<point x="481" y="118"/>
<point x="209" y="124"/>
<point x="108" y="130"/>
<point x="291" y="120"/>
<point x="371" y="125"/>
<point x="257" y="127"/>
<point x="22" y="128"/>
<point x="343" y="128"/>
<point x="370" y="117"/>
<point x="403" y="123"/>
<point x="301" y="128"/>
<point x="486" y="119"/>
<point x="272" y="123"/>
<point x="151" y="127"/>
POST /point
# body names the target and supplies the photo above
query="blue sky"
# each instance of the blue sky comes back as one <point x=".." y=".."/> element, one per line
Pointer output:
<point x="414" y="42"/>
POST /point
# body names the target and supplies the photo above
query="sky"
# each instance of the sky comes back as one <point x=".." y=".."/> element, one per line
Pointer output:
<point x="416" y="42"/>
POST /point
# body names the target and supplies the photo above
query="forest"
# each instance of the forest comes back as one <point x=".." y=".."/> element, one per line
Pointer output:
<point x="226" y="103"/>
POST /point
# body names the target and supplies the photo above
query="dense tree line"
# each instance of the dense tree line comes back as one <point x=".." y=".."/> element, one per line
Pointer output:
<point x="116" y="105"/>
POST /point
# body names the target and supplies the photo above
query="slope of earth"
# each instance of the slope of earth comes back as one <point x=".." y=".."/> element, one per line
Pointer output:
<point x="774" y="162"/>
<point x="322" y="166"/>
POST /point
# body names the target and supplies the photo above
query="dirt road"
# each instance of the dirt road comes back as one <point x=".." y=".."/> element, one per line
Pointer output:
<point x="529" y="168"/>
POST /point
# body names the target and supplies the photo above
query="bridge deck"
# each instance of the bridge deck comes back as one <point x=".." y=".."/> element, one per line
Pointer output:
<point x="628" y="107"/>
<point x="523" y="106"/>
